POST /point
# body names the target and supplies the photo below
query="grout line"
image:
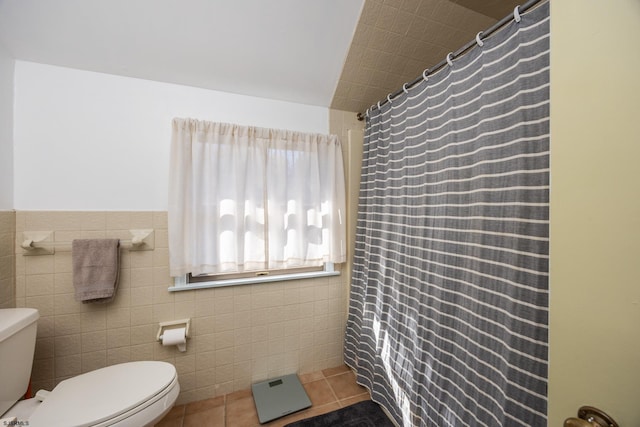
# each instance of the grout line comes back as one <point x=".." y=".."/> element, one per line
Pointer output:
<point x="337" y="373"/>
<point x="224" y="410"/>
<point x="332" y="390"/>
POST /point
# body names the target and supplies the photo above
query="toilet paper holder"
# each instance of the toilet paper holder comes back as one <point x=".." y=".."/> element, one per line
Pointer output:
<point x="183" y="323"/>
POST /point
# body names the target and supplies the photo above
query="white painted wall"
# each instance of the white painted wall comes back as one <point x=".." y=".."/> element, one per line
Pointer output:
<point x="91" y="141"/>
<point x="6" y="129"/>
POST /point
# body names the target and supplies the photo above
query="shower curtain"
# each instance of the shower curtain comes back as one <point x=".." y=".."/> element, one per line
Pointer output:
<point x="448" y="311"/>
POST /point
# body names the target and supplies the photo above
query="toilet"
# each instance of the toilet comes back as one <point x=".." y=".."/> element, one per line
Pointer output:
<point x="132" y="394"/>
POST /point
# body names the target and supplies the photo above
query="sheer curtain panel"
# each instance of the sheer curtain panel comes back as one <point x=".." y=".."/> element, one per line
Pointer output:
<point x="248" y="198"/>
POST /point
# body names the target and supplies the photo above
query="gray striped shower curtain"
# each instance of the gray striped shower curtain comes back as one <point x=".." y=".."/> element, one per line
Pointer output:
<point x="448" y="311"/>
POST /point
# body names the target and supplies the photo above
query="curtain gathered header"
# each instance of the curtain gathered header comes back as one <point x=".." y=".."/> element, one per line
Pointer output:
<point x="203" y="131"/>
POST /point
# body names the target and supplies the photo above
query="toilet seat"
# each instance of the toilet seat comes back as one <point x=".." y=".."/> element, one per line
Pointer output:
<point x="110" y="395"/>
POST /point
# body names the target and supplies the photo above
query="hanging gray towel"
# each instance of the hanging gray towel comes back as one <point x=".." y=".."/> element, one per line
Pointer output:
<point x="96" y="268"/>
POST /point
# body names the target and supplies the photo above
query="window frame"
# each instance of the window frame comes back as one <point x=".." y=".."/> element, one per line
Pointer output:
<point x="182" y="283"/>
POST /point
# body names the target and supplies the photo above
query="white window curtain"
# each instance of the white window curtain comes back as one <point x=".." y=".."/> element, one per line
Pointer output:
<point x="247" y="198"/>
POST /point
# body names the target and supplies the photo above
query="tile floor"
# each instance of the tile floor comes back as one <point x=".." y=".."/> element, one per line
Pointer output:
<point x="329" y="389"/>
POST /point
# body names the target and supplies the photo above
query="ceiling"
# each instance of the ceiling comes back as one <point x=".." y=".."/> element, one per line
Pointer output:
<point x="395" y="40"/>
<point x="346" y="54"/>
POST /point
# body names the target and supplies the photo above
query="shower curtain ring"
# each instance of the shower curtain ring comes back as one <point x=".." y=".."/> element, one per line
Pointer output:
<point x="450" y="59"/>
<point x="479" y="39"/>
<point x="378" y="105"/>
<point x="424" y="74"/>
<point x="404" y="88"/>
<point x="389" y="98"/>
<point x="516" y="14"/>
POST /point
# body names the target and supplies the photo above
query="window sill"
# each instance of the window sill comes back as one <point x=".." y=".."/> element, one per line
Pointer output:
<point x="181" y="285"/>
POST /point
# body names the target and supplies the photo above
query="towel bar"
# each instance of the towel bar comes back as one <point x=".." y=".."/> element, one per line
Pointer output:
<point x="41" y="242"/>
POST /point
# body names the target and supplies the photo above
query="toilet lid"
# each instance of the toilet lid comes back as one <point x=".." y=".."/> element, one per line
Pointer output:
<point x="99" y="395"/>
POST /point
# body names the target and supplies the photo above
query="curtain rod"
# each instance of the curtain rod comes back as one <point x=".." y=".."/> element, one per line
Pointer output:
<point x="453" y="55"/>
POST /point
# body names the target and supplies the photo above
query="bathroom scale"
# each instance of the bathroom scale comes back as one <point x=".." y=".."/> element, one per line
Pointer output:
<point x="278" y="397"/>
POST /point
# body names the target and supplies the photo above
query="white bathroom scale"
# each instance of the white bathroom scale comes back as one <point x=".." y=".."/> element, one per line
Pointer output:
<point x="278" y="397"/>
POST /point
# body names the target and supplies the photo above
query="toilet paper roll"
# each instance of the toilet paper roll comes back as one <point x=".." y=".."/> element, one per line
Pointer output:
<point x="175" y="337"/>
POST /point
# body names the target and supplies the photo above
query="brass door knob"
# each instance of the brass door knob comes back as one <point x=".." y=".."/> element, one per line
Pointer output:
<point x="577" y="422"/>
<point x="588" y="416"/>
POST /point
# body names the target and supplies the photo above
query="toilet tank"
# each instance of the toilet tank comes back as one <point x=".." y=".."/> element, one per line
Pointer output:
<point x="17" y="345"/>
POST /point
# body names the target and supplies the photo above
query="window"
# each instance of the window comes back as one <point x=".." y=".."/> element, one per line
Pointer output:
<point x="219" y="280"/>
<point x="246" y="200"/>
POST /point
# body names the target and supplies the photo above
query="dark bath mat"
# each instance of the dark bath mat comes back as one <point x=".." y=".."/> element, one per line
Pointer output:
<point x="362" y="414"/>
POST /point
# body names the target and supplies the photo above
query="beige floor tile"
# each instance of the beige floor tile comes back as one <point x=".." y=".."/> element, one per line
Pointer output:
<point x="335" y="371"/>
<point x="175" y="412"/>
<point x="329" y="390"/>
<point x="209" y="418"/>
<point x="203" y="405"/>
<point x="355" y="399"/>
<point x="344" y="385"/>
<point x="170" y="422"/>
<point x="319" y="392"/>
<point x="241" y="412"/>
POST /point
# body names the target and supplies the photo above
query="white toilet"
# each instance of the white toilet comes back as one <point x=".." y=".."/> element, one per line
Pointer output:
<point x="130" y="394"/>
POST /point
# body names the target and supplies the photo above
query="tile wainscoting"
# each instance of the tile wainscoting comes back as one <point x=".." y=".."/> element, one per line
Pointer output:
<point x="240" y="334"/>
<point x="7" y="259"/>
